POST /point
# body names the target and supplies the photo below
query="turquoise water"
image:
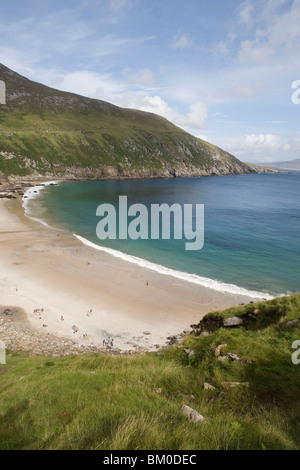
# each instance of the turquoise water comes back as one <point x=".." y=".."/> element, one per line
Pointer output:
<point x="252" y="225"/>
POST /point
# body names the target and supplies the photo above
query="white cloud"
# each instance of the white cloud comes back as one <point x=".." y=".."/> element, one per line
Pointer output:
<point x="244" y="90"/>
<point x="221" y="48"/>
<point x="117" y="5"/>
<point x="144" y="77"/>
<point x="254" y="143"/>
<point x="264" y="147"/>
<point x="255" y="51"/>
<point x="196" y="116"/>
<point x="294" y="144"/>
<point x="245" y="14"/>
<point x="276" y="34"/>
<point x="182" y="41"/>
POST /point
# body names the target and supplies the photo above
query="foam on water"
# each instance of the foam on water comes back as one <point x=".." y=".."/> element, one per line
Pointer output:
<point x="192" y="278"/>
<point x="33" y="193"/>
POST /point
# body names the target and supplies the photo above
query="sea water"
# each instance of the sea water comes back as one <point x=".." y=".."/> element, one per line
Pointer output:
<point x="251" y="227"/>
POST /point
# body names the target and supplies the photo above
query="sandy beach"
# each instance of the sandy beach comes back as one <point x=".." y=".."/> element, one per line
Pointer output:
<point x="49" y="274"/>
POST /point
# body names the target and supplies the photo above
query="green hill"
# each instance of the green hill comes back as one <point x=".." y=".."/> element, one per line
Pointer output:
<point x="135" y="402"/>
<point x="50" y="132"/>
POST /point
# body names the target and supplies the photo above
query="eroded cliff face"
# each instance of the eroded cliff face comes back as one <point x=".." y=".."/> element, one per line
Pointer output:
<point x="107" y="172"/>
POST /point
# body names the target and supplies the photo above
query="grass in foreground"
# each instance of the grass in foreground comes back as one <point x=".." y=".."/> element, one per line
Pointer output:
<point x="120" y="403"/>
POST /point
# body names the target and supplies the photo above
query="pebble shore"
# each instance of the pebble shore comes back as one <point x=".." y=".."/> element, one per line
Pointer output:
<point x="18" y="337"/>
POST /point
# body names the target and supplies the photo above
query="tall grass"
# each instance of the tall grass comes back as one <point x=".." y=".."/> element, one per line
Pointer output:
<point x="100" y="402"/>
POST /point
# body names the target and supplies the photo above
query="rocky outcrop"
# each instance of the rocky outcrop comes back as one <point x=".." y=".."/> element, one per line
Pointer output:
<point x="253" y="316"/>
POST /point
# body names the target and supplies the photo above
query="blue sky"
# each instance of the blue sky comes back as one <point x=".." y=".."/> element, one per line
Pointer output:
<point x="221" y="69"/>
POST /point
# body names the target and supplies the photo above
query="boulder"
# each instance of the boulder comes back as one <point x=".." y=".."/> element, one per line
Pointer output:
<point x="208" y="386"/>
<point x="293" y="322"/>
<point x="217" y="350"/>
<point x="233" y="357"/>
<point x="192" y="415"/>
<point x="232" y="321"/>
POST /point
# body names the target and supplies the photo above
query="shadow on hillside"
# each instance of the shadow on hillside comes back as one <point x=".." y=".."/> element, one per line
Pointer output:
<point x="17" y="429"/>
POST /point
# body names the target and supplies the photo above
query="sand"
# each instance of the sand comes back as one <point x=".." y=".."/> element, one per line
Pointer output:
<point x="49" y="269"/>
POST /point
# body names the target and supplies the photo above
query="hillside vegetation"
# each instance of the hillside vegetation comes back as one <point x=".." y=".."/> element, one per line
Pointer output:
<point x="135" y="402"/>
<point x="46" y="131"/>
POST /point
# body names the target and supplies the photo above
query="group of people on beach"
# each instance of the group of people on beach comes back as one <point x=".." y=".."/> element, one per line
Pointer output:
<point x="108" y="344"/>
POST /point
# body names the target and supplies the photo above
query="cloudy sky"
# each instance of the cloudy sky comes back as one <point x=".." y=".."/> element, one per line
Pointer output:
<point x="221" y="69"/>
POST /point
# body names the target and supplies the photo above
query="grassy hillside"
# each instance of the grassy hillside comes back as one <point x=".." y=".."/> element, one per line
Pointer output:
<point x="134" y="402"/>
<point x="43" y="130"/>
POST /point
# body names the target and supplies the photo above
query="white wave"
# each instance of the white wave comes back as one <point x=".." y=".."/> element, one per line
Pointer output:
<point x="192" y="278"/>
<point x="32" y="193"/>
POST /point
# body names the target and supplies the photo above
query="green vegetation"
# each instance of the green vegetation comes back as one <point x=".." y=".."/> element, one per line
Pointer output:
<point x="134" y="402"/>
<point x="48" y="131"/>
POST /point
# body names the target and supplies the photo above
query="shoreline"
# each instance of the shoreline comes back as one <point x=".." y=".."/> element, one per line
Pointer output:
<point x="234" y="289"/>
<point x="103" y="295"/>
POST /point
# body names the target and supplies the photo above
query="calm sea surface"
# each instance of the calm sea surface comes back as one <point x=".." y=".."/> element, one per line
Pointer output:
<point x="252" y="225"/>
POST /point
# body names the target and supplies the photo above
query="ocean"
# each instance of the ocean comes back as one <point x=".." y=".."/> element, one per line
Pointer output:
<point x="251" y="227"/>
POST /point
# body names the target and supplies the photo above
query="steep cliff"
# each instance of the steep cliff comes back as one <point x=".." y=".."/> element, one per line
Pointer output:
<point x="48" y="132"/>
